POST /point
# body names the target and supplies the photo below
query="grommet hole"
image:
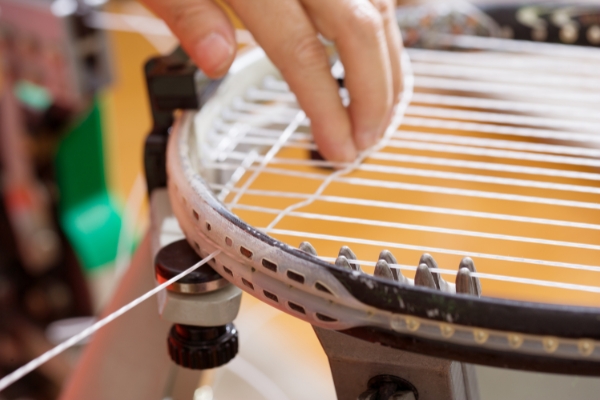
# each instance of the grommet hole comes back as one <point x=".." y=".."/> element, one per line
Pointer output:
<point x="248" y="283"/>
<point x="322" y="288"/>
<point x="246" y="252"/>
<point x="271" y="266"/>
<point x="271" y="296"/>
<point x="296" y="307"/>
<point x="325" y="318"/>
<point x="295" y="276"/>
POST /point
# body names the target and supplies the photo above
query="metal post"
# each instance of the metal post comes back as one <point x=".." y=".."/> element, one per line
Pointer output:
<point x="355" y="363"/>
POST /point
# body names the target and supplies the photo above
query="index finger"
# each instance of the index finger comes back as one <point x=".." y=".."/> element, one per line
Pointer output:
<point x="301" y="58"/>
<point x="357" y="29"/>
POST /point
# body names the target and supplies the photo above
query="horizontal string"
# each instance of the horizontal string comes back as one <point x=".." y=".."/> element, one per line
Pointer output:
<point x="531" y="63"/>
<point x="493" y="153"/>
<point x="446" y="162"/>
<point x="419" y="208"/>
<point x="499" y="118"/>
<point x="412" y="227"/>
<point x="403" y="246"/>
<point x="506" y="105"/>
<point x="422" y="188"/>
<point x="468" y="193"/>
<point x="477" y="127"/>
<point x="519" y="46"/>
<point x="512" y="91"/>
<point x="489" y="117"/>
<point x="485" y="166"/>
<point x="284" y="113"/>
<point x="402" y="141"/>
<point x="483" y="275"/>
<point x="456" y="101"/>
<point x="473" y="102"/>
<point x="495" y="74"/>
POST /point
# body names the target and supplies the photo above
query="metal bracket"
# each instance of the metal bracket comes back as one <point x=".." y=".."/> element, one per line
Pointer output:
<point x="354" y="363"/>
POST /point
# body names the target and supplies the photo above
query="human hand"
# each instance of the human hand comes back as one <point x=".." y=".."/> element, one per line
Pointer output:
<point x="365" y="34"/>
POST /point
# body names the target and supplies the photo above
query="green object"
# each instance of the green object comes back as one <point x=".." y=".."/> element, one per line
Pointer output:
<point x="33" y="96"/>
<point x="89" y="215"/>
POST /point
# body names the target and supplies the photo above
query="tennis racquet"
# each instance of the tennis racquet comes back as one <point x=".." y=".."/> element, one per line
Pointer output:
<point x="469" y="232"/>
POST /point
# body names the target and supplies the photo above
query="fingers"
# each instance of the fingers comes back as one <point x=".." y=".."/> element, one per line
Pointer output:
<point x="203" y="29"/>
<point x="387" y="9"/>
<point x="284" y="30"/>
<point x="357" y="29"/>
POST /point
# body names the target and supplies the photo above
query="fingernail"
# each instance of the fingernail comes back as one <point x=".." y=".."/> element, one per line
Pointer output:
<point x="213" y="53"/>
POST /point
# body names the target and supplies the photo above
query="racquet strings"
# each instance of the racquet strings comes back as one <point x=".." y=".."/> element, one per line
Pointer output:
<point x="496" y="158"/>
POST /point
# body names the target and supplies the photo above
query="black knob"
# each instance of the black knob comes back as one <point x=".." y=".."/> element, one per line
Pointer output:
<point x="197" y="347"/>
<point x="387" y="387"/>
<point x="177" y="257"/>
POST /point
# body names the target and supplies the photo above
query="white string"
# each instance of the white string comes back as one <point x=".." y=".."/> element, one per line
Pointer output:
<point x="272" y="141"/>
<point x="483" y="275"/>
<point x="499" y="129"/>
<point x="496" y="143"/>
<point x="435" y="112"/>
<point x="519" y="62"/>
<point x="426" y="173"/>
<point x="247" y="111"/>
<point x="489" y="119"/>
<point x="494" y="73"/>
<point x="486" y="166"/>
<point x="413" y="227"/>
<point x="265" y="132"/>
<point x="37" y="362"/>
<point x="468" y="193"/>
<point x="493" y="153"/>
<point x="403" y="246"/>
<point x="404" y="158"/>
<point x="519" y="46"/>
<point x="419" y="208"/>
<point x="239" y="172"/>
<point x="259" y="119"/>
<point x="417" y="144"/>
<point x="452" y="126"/>
<point x="300" y="117"/>
<point x="377" y="183"/>
<point x="277" y="91"/>
<point x="504" y="89"/>
<point x="397" y="120"/>
<point x="506" y="105"/>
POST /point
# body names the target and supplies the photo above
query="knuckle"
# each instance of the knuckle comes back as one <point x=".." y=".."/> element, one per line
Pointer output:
<point x="383" y="6"/>
<point x="307" y="52"/>
<point x="365" y="18"/>
<point x="184" y="16"/>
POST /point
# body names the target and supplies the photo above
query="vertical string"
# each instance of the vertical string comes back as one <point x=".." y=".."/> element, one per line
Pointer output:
<point x="287" y="133"/>
<point x="392" y="128"/>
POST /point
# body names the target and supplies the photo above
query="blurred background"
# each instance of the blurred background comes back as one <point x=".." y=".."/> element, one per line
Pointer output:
<point x="73" y="118"/>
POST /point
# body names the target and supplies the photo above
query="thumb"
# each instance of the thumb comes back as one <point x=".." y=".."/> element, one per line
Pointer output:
<point x="204" y="30"/>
